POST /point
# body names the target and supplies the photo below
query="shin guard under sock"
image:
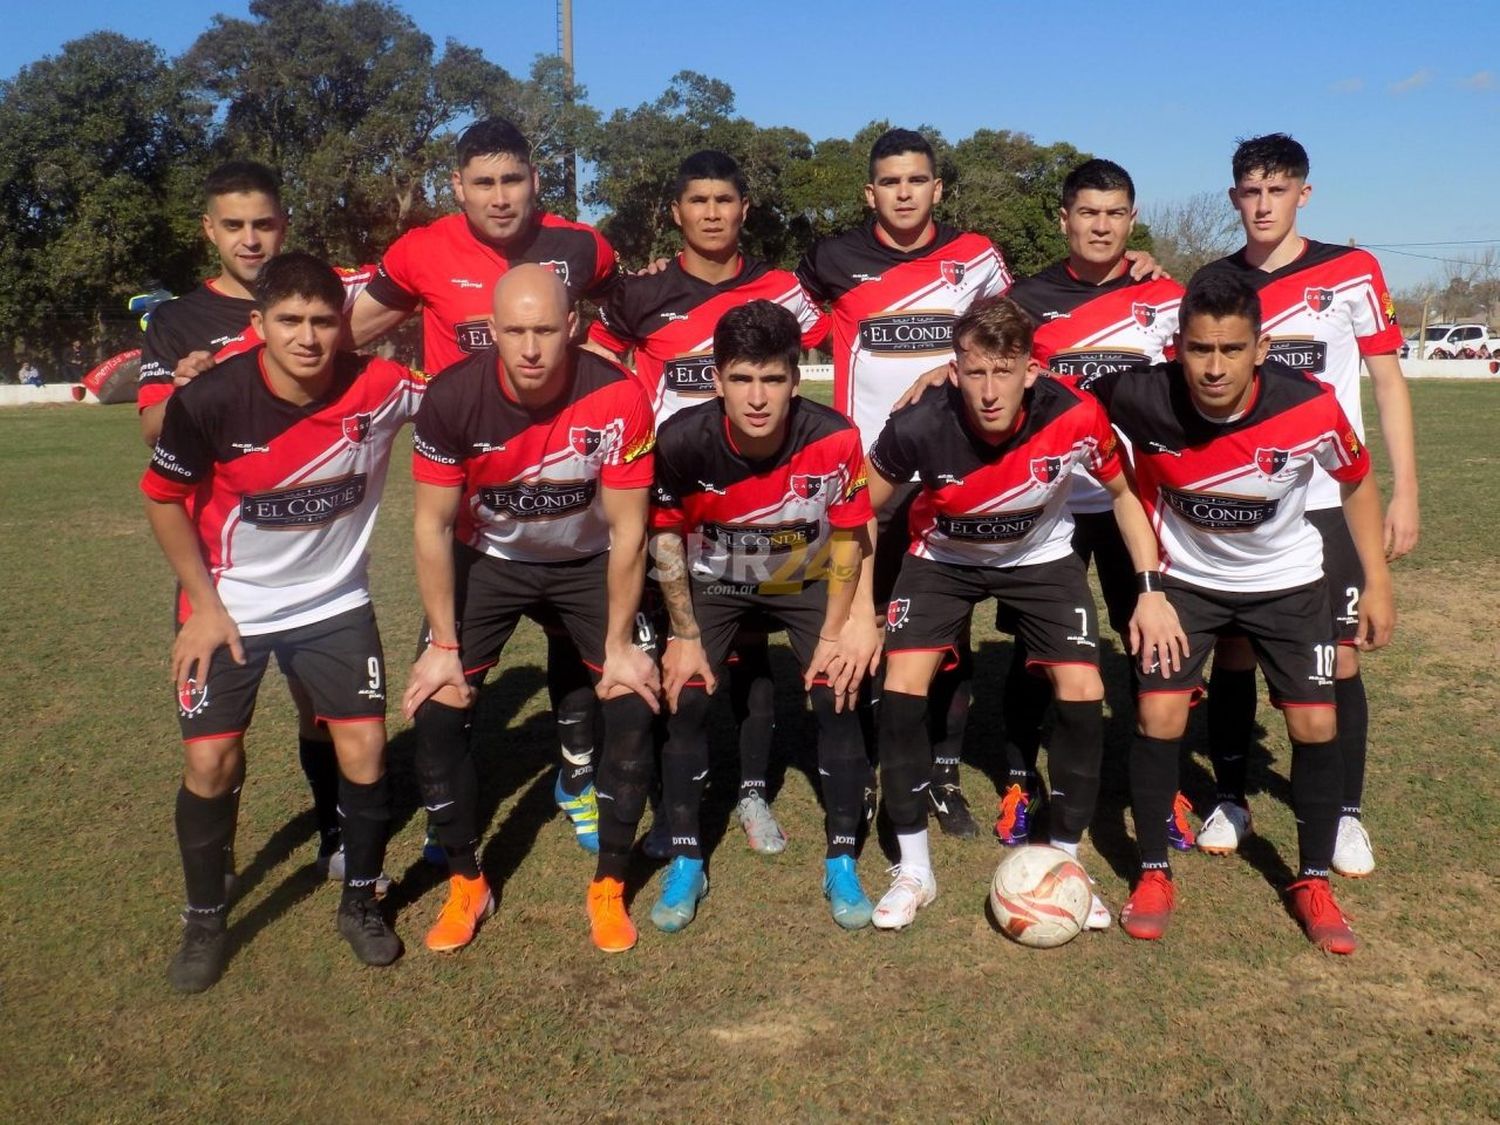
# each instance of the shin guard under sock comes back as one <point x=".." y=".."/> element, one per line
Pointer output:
<point x="364" y="819"/>
<point x="1353" y="739"/>
<point x="204" y="827"/>
<point x="1153" y="785"/>
<point x="1231" y="729"/>
<point x="1317" y="783"/>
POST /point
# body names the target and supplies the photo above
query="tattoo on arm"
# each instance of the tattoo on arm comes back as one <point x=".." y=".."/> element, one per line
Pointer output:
<point x="676" y="590"/>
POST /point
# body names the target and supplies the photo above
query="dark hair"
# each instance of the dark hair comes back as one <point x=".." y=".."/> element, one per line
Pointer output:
<point x="298" y="274"/>
<point x="1275" y="152"/>
<point x="995" y="326"/>
<point x="236" y="176"/>
<point x="1218" y="294"/>
<point x="758" y="332"/>
<point x="710" y="164"/>
<point x="1097" y="175"/>
<point x="494" y="136"/>
<point x="898" y="142"/>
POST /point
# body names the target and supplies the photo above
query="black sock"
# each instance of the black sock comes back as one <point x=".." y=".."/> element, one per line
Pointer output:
<point x="321" y="765"/>
<point x="1153" y="784"/>
<point x="842" y="772"/>
<point x="1353" y="739"/>
<point x="1073" y="764"/>
<point x="684" y="770"/>
<point x="1231" y="729"/>
<point x="752" y="698"/>
<point x="204" y="826"/>
<point x="624" y="781"/>
<point x="905" y="759"/>
<point x="1316" y="786"/>
<point x="948" y="703"/>
<point x="575" y="734"/>
<point x="449" y="783"/>
<point x="234" y="792"/>
<point x="1024" y="702"/>
<point x="364" y="819"/>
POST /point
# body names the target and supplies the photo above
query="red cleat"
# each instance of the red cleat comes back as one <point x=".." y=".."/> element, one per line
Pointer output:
<point x="1150" y="907"/>
<point x="1311" y="903"/>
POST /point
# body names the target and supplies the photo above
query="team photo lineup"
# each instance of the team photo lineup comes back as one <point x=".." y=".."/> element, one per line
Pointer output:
<point x="623" y="457"/>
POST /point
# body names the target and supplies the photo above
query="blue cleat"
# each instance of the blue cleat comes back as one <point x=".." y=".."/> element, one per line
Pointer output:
<point x="682" y="889"/>
<point x="432" y="851"/>
<point x="583" y="811"/>
<point x="846" y="898"/>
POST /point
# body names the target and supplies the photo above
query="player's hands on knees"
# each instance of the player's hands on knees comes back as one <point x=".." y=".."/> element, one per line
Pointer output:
<point x="1144" y="266"/>
<point x="1402" y="527"/>
<point x="203" y="634"/>
<point x="630" y="669"/>
<point x="683" y="659"/>
<point x="934" y="378"/>
<point x="435" y="669"/>
<point x="830" y="664"/>
<point x="1377" y="616"/>
<point x="1156" y="636"/>
<point x="190" y="366"/>
<point x="859" y="646"/>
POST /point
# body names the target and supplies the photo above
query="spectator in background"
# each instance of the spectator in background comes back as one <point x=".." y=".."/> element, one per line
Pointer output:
<point x="29" y="376"/>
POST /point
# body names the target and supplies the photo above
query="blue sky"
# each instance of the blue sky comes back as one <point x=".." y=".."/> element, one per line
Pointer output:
<point x="1398" y="104"/>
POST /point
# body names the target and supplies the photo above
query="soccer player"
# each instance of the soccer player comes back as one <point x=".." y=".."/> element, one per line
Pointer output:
<point x="262" y="492"/>
<point x="894" y="287"/>
<point x="1225" y="443"/>
<point x="244" y="221"/>
<point x="667" y="319"/>
<point x="1325" y="308"/>
<point x="993" y="457"/>
<point x="759" y="511"/>
<point x="1092" y="316"/>
<point x="533" y="464"/>
<point x="449" y="268"/>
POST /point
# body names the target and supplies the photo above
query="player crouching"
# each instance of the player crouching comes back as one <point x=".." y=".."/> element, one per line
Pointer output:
<point x="994" y="455"/>
<point x="1225" y="444"/>
<point x="262" y="492"/>
<point x="759" y="512"/>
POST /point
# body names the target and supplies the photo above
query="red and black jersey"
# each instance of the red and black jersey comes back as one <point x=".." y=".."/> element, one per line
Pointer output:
<point x="531" y="479"/>
<point x="451" y="272"/>
<point x="893" y="310"/>
<point x="206" y="320"/>
<point x="284" y="497"/>
<point x="1087" y="329"/>
<point x="669" y="319"/>
<point x="759" y="521"/>
<point x="1005" y="504"/>
<point x="1226" y="499"/>
<point x="1323" y="312"/>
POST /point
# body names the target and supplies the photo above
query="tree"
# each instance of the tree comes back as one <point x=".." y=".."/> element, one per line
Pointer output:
<point x="99" y="148"/>
<point x="1189" y="233"/>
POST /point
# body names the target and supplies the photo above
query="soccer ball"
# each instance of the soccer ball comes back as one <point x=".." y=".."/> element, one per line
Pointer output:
<point x="1041" y="896"/>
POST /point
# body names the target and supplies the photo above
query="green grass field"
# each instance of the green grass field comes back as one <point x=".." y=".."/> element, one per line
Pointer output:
<point x="763" y="1009"/>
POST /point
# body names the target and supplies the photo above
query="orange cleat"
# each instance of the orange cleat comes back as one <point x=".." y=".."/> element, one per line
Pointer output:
<point x="609" y="922"/>
<point x="1311" y="903"/>
<point x="469" y="903"/>
<point x="1150" y="907"/>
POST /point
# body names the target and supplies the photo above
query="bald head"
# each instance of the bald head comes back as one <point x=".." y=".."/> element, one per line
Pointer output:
<point x="533" y="324"/>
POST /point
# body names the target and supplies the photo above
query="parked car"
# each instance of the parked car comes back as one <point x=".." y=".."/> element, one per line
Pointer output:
<point x="1453" y="341"/>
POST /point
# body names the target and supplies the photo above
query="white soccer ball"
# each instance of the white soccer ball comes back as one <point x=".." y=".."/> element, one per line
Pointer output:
<point x="1041" y="896"/>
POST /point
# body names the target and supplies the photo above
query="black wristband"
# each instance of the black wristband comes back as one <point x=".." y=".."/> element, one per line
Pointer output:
<point x="1147" y="581"/>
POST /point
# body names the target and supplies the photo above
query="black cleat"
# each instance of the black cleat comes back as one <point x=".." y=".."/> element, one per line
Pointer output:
<point x="951" y="808"/>
<point x="365" y="929"/>
<point x="199" y="962"/>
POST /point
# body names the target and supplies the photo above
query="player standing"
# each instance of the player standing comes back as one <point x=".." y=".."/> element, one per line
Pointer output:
<point x="262" y="492"/>
<point x="533" y="463"/>
<point x="1325" y="308"/>
<point x="993" y="456"/>
<point x="1225" y="445"/>
<point x="449" y="268"/>
<point x="759" y="511"/>
<point x="667" y="319"/>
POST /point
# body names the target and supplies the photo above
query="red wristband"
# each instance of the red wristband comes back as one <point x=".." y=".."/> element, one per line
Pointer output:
<point x="441" y="645"/>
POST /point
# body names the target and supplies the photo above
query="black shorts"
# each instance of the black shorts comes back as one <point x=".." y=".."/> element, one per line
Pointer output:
<point x="491" y="595"/>
<point x="1097" y="538"/>
<point x="1289" y="630"/>
<point x="338" y="661"/>
<point x="1048" y="605"/>
<point x="892" y="538"/>
<point x="723" y="609"/>
<point x="1341" y="570"/>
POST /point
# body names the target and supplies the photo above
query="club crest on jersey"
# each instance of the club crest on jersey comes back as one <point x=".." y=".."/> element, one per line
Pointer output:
<point x="357" y="427"/>
<point x="585" y="441"/>
<point x="191" y="698"/>
<point x="1271" y="461"/>
<point x="1319" y="300"/>
<point x="1389" y="306"/>
<point x="1145" y="315"/>
<point x="1045" y="470"/>
<point x="896" y="611"/>
<point x="953" y="272"/>
<point x="556" y="266"/>
<point x="806" y="485"/>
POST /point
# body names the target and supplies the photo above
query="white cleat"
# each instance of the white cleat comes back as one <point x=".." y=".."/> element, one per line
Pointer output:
<point x="1353" y="857"/>
<point x="1099" y="916"/>
<point x="762" y="833"/>
<point x="911" y="889"/>
<point x="1224" y="829"/>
